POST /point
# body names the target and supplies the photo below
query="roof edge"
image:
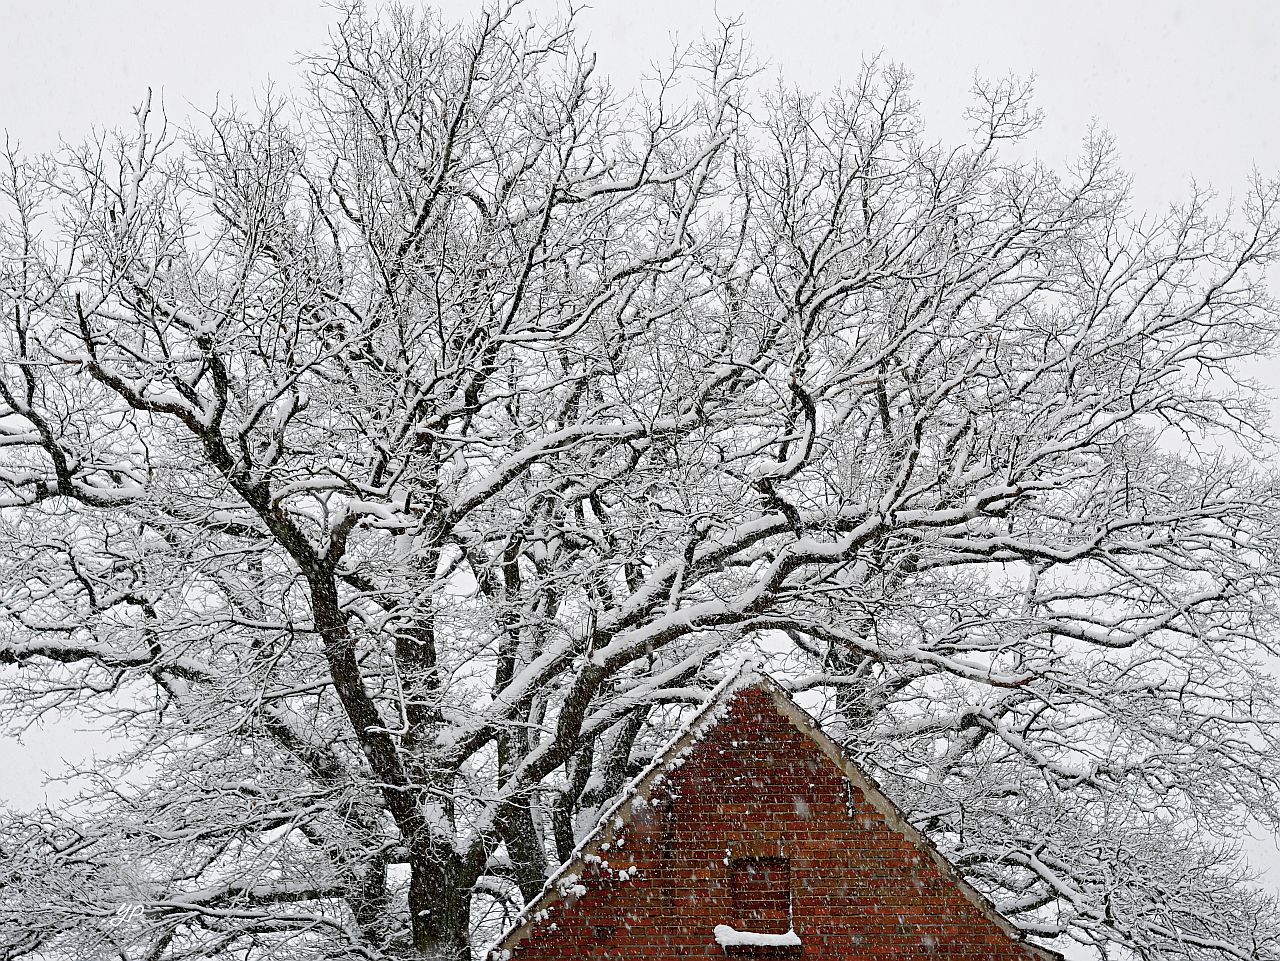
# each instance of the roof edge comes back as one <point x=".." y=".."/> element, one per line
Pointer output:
<point x="894" y="815"/>
<point x="620" y="813"/>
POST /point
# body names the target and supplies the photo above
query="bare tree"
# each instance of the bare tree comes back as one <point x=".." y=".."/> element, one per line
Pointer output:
<point x="392" y="467"/>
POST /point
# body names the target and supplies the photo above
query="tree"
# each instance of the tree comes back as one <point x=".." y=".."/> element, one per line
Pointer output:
<point x="395" y="467"/>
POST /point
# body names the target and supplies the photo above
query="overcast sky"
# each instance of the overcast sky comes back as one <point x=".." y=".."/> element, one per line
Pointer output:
<point x="1188" y="90"/>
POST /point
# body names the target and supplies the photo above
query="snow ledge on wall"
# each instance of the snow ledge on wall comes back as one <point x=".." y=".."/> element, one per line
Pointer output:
<point x="730" y="937"/>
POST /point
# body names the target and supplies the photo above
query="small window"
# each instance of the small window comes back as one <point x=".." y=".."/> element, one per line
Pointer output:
<point x="761" y="894"/>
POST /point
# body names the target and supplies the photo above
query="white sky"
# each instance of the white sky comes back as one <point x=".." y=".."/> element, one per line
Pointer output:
<point x="1188" y="89"/>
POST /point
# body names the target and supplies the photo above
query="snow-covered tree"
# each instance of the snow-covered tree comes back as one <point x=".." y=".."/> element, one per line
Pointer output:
<point x="391" y="465"/>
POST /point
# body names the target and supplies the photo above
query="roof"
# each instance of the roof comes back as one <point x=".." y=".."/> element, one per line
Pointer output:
<point x="615" y="818"/>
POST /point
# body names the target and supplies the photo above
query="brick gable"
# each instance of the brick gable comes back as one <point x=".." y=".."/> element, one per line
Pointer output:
<point x="752" y="816"/>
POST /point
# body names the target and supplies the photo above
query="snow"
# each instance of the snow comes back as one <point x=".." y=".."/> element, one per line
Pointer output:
<point x="570" y="886"/>
<point x="729" y="937"/>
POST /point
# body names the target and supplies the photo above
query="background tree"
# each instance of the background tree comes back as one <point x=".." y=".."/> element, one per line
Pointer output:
<point x="392" y="467"/>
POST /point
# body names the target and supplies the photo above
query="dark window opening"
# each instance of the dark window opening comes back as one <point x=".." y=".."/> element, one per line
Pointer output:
<point x="761" y="894"/>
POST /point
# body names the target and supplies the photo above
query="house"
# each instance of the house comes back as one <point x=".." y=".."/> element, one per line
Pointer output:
<point x="753" y="835"/>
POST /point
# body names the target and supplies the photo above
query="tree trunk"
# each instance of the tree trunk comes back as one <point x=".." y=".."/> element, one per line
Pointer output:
<point x="440" y="907"/>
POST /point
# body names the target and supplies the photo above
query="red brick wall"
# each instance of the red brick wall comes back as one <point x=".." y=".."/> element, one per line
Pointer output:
<point x="756" y="787"/>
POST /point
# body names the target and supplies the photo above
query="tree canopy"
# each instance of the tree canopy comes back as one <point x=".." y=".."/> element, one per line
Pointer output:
<point x="394" y="463"/>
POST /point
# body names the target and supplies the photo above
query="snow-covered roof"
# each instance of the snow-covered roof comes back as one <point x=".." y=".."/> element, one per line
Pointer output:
<point x="563" y="881"/>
